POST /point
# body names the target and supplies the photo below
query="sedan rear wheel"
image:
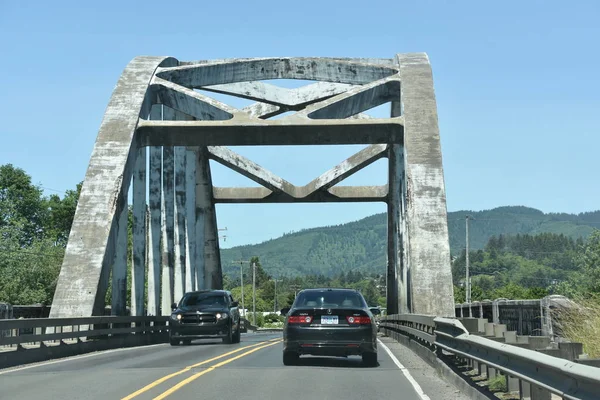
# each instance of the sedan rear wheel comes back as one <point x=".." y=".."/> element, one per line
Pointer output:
<point x="290" y="358"/>
<point x="174" y="342"/>
<point x="370" y="359"/>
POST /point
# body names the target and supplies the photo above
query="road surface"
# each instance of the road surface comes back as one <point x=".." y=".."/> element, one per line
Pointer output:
<point x="209" y="370"/>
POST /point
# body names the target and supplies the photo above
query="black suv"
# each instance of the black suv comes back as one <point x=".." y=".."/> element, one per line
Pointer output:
<point x="205" y="314"/>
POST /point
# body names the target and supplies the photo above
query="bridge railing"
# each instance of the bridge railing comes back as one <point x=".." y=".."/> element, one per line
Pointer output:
<point x="36" y="339"/>
<point x="525" y="371"/>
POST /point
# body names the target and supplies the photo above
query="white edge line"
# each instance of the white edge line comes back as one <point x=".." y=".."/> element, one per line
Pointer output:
<point x="73" y="358"/>
<point x="407" y="374"/>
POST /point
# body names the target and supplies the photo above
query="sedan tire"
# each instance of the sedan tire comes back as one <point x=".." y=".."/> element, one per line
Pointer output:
<point x="290" y="358"/>
<point x="370" y="359"/>
<point x="174" y="342"/>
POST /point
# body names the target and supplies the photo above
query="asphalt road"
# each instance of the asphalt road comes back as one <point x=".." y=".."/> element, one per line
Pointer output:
<point x="249" y="370"/>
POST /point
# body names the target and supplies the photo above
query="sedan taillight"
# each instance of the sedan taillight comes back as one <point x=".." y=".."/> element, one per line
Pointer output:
<point x="300" y="319"/>
<point x="362" y="320"/>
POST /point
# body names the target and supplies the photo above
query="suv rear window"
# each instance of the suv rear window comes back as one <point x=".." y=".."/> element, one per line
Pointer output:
<point x="330" y="299"/>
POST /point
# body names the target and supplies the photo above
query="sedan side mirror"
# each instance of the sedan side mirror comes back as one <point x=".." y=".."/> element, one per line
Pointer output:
<point x="173" y="306"/>
<point x="285" y="310"/>
<point x="235" y="304"/>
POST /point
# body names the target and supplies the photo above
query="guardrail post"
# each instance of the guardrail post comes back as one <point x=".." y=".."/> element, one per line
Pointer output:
<point x="539" y="393"/>
<point x="499" y="330"/>
<point x="524" y="390"/>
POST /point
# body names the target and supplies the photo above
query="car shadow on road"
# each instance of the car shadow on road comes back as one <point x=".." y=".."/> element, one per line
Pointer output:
<point x="333" y="362"/>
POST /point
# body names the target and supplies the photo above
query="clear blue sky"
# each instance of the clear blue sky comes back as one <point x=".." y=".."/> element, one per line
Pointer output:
<point x="517" y="85"/>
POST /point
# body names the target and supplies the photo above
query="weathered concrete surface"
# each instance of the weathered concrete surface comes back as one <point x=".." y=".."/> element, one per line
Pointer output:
<point x="280" y="132"/>
<point x="154" y="231"/>
<point x="119" y="268"/>
<point x="90" y="251"/>
<point x="191" y="246"/>
<point x="243" y="70"/>
<point x="168" y="230"/>
<point x="429" y="273"/>
<point x="138" y="275"/>
<point x="166" y="111"/>
<point x="207" y="235"/>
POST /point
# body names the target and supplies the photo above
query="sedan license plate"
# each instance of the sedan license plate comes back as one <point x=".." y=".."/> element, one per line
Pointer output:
<point x="329" y="319"/>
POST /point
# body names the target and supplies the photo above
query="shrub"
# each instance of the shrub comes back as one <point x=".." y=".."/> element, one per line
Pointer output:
<point x="580" y="323"/>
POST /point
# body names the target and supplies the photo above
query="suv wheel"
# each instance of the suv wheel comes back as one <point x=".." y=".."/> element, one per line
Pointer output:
<point x="229" y="338"/>
<point x="237" y="335"/>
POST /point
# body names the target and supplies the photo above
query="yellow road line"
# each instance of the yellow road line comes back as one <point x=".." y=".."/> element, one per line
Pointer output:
<point x="186" y="369"/>
<point x="207" y="370"/>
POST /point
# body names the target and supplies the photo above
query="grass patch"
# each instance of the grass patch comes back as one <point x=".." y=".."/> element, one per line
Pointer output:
<point x="580" y="323"/>
<point x="497" y="384"/>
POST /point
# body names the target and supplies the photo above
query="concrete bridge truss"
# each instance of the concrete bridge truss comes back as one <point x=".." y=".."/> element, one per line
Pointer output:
<point x="159" y="133"/>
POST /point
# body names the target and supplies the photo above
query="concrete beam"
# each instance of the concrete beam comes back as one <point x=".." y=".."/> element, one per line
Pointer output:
<point x="346" y="168"/>
<point x="336" y="194"/>
<point x="90" y="251"/>
<point x="354" y="101"/>
<point x="429" y="249"/>
<point x="263" y="110"/>
<point x="191" y="102"/>
<point x="138" y="275"/>
<point x="270" y="132"/>
<point x="257" y="69"/>
<point x="250" y="170"/>
<point x="278" y="96"/>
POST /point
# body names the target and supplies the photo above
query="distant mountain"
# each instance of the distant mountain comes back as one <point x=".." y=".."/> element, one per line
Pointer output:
<point x="361" y="245"/>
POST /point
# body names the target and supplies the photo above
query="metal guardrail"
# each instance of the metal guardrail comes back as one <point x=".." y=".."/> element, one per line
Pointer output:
<point x="543" y="372"/>
<point x="16" y="332"/>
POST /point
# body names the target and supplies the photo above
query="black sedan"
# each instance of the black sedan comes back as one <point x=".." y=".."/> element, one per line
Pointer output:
<point x="329" y="322"/>
<point x="205" y="314"/>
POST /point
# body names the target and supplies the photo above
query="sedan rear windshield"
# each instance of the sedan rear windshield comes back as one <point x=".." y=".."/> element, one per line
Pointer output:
<point x="330" y="299"/>
<point x="203" y="299"/>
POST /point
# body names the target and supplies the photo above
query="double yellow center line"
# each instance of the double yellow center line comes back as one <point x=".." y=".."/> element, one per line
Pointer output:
<point x="253" y="347"/>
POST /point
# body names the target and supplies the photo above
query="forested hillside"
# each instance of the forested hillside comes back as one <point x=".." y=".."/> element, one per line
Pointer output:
<point x="361" y="245"/>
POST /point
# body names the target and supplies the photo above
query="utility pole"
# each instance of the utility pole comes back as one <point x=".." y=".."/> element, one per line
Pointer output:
<point x="254" y="293"/>
<point x="242" y="282"/>
<point x="467" y="278"/>
<point x="275" y="301"/>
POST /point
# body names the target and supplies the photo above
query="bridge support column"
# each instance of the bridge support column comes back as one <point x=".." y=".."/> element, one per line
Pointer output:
<point x="168" y="245"/>
<point x="138" y="275"/>
<point x="180" y="221"/>
<point x="429" y="276"/>
<point x="207" y="236"/>
<point x="119" y="269"/>
<point x="190" y="224"/>
<point x="154" y="231"/>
